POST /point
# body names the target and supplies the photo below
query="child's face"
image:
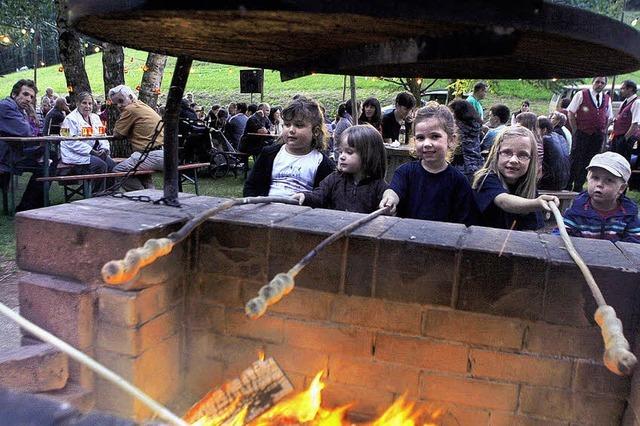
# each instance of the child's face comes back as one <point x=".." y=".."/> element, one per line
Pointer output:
<point x="298" y="135"/>
<point x="349" y="160"/>
<point x="514" y="157"/>
<point x="432" y="143"/>
<point x="604" y="188"/>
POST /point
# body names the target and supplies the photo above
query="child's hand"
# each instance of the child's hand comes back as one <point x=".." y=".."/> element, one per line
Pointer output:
<point x="390" y="198"/>
<point x="299" y="196"/>
<point x="544" y="200"/>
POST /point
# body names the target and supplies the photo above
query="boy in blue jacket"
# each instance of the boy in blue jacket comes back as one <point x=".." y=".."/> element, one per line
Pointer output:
<point x="603" y="211"/>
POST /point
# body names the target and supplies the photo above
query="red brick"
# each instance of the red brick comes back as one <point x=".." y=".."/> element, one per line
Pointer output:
<point x="267" y="328"/>
<point x="300" y="360"/>
<point x="470" y="392"/>
<point x="450" y="414"/>
<point x="156" y="372"/>
<point x="61" y="307"/>
<point x="548" y="339"/>
<point x="328" y="338"/>
<point x="34" y="368"/>
<point x="300" y="303"/>
<point x="394" y="378"/>
<point x="136" y="340"/>
<point x="364" y="400"/>
<point x="297" y="380"/>
<point x="132" y="308"/>
<point x="500" y="418"/>
<point x="546" y="402"/>
<point x="205" y="316"/>
<point x="421" y="352"/>
<point x="475" y="328"/>
<point x="218" y="288"/>
<point x="529" y="369"/>
<point x="597" y="410"/>
<point x="590" y="377"/>
<point x="377" y="313"/>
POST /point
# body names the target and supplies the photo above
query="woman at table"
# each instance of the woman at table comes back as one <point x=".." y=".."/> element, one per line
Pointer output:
<point x="85" y="156"/>
<point x="371" y="113"/>
<point x="275" y="116"/>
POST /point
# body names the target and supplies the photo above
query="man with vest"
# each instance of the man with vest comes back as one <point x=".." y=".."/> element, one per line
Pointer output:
<point x="626" y="127"/>
<point x="589" y="115"/>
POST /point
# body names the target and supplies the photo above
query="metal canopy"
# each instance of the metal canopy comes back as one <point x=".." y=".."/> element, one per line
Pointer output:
<point x="443" y="39"/>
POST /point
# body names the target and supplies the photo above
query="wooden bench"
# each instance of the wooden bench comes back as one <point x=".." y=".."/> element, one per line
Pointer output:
<point x="81" y="184"/>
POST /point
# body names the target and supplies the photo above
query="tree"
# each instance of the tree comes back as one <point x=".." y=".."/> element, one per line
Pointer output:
<point x="70" y="52"/>
<point x="152" y="79"/>
<point x="112" y="66"/>
<point x="413" y="85"/>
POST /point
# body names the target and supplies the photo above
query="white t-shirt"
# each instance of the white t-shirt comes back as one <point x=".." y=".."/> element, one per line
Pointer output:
<point x="293" y="173"/>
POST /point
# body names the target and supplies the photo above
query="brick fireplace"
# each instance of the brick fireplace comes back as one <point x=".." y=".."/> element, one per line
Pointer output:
<point x="430" y="309"/>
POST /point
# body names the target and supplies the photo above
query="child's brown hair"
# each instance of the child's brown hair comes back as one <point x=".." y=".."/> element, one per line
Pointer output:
<point x="368" y="143"/>
<point x="308" y="110"/>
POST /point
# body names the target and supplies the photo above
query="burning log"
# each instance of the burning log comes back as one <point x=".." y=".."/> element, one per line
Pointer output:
<point x="617" y="357"/>
<point x="283" y="283"/>
<point x="117" y="272"/>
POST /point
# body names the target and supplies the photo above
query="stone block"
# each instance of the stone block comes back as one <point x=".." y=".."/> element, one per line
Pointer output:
<point x="301" y="303"/>
<point x="84" y="238"/>
<point x="547" y="402"/>
<point x="229" y="349"/>
<point x="520" y="368"/>
<point x="329" y="338"/>
<point x="468" y="327"/>
<point x="80" y="374"/>
<point x="595" y="378"/>
<point x="202" y="375"/>
<point x="501" y="418"/>
<point x="631" y="251"/>
<point x="502" y="273"/>
<point x="34" y="368"/>
<point x="267" y="328"/>
<point x="217" y="288"/>
<point x="377" y="313"/>
<point x="361" y="262"/>
<point x="366" y="401"/>
<point x="421" y="352"/>
<point x="396" y="378"/>
<point x="73" y="394"/>
<point x="63" y="308"/>
<point x="450" y="414"/>
<point x="307" y="362"/>
<point x="580" y="342"/>
<point x="597" y="410"/>
<point x="260" y="214"/>
<point x="134" y="341"/>
<point x="470" y="392"/>
<point x="440" y="235"/>
<point x="132" y="308"/>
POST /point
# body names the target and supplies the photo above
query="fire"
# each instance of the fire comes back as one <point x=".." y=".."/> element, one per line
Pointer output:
<point x="305" y="408"/>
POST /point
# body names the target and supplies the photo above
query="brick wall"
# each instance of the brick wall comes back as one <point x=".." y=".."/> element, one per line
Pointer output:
<point x="492" y="335"/>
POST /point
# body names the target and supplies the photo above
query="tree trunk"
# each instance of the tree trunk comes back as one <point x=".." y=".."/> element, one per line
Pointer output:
<point x="152" y="79"/>
<point x="112" y="66"/>
<point x="414" y="85"/>
<point x="71" y="50"/>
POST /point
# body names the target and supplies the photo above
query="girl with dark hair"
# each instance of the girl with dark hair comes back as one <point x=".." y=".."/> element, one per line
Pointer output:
<point x="358" y="184"/>
<point x="371" y="113"/>
<point x="297" y="163"/>
<point x="275" y="116"/>
<point x="466" y="156"/>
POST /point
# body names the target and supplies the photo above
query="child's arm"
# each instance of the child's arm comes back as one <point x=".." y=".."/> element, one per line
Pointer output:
<point x="519" y="205"/>
<point x="390" y="198"/>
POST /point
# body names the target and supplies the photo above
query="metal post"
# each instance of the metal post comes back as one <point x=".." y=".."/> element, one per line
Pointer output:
<point x="172" y="111"/>
<point x="35" y="57"/>
<point x="354" y="101"/>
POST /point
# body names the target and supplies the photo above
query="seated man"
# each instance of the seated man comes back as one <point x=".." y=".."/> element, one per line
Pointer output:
<point x="497" y="121"/>
<point x="391" y="121"/>
<point x="258" y="123"/>
<point x="137" y="123"/>
<point x="18" y="158"/>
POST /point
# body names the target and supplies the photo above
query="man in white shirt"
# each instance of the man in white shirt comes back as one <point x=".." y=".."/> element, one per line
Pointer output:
<point x="589" y="115"/>
<point x="626" y="128"/>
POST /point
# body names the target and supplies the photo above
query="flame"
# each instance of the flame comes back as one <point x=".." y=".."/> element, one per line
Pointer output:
<point x="261" y="355"/>
<point x="305" y="407"/>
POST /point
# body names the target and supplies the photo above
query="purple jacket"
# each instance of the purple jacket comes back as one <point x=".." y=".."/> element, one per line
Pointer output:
<point x="13" y="122"/>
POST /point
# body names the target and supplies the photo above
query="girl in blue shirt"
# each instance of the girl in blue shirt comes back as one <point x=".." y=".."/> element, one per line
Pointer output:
<point x="506" y="186"/>
<point x="430" y="188"/>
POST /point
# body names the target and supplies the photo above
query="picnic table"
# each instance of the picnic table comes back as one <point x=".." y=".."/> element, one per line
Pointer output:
<point x="397" y="156"/>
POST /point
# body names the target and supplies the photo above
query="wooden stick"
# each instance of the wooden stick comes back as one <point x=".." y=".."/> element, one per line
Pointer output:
<point x="283" y="283"/>
<point x="617" y="356"/>
<point x="157" y="408"/>
<point x="116" y="272"/>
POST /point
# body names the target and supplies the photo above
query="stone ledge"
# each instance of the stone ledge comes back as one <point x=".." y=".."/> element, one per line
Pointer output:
<point x="34" y="368"/>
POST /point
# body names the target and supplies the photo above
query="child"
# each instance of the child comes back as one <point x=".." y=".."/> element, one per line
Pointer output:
<point x="506" y="185"/>
<point x="296" y="164"/>
<point x="603" y="211"/>
<point x="430" y="188"/>
<point x="358" y="184"/>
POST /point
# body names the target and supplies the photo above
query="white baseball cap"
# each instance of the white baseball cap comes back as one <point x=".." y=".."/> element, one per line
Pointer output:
<point x="612" y="162"/>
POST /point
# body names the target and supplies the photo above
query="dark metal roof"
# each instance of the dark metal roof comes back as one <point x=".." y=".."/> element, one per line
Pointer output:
<point x="428" y="38"/>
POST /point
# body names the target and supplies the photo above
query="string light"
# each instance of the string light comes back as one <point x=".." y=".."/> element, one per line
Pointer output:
<point x="634" y="22"/>
<point x="419" y="81"/>
<point x="145" y="68"/>
<point x="42" y="63"/>
<point x="60" y="69"/>
<point x="23" y="31"/>
<point x="6" y="39"/>
<point x="70" y="89"/>
<point x="86" y="45"/>
<point x="554" y="79"/>
<point x="96" y="49"/>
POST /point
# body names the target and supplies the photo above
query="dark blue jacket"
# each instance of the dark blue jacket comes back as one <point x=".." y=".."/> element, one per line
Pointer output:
<point x="582" y="220"/>
<point x="13" y="122"/>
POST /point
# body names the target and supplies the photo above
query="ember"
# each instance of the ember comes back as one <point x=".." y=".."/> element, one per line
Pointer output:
<point x="306" y="408"/>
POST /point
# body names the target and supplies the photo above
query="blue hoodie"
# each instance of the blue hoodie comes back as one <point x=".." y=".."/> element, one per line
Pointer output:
<point x="582" y="220"/>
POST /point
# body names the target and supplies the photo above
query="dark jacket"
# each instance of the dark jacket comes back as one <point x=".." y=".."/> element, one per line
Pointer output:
<point x="582" y="220"/>
<point x="555" y="163"/>
<point x="14" y="122"/>
<point x="259" y="180"/>
<point x="466" y="156"/>
<point x="338" y="191"/>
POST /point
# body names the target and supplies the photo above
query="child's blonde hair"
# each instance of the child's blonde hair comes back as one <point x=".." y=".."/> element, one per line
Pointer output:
<point x="526" y="187"/>
<point x="308" y="110"/>
<point x="368" y="143"/>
